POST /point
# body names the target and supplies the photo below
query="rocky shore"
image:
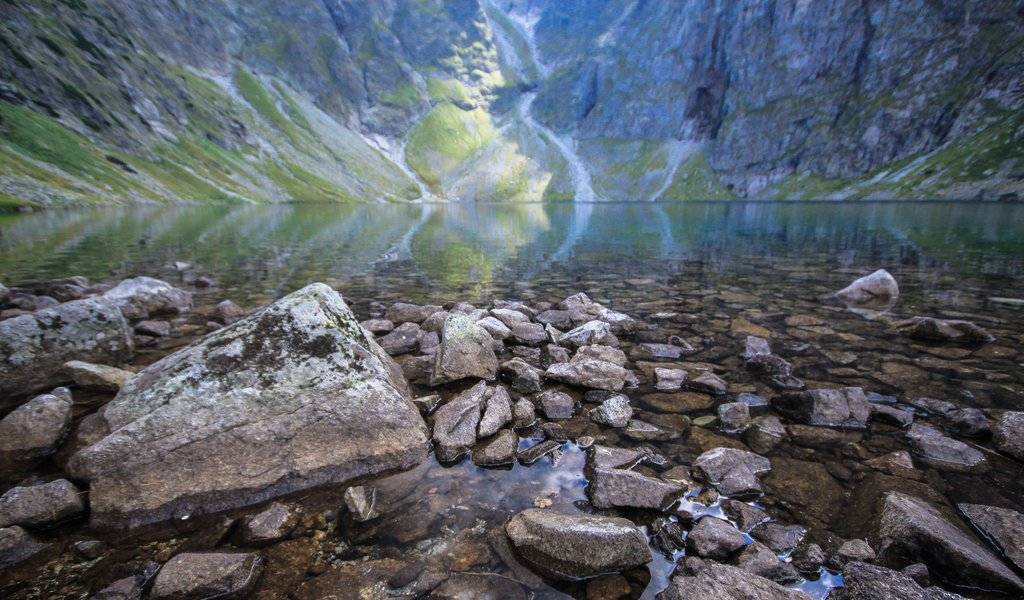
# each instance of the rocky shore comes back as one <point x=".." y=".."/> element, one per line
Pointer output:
<point x="276" y="453"/>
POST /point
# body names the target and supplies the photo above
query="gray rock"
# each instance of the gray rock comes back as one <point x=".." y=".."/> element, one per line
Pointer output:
<point x="497" y="414"/>
<point x="294" y="396"/>
<point x="589" y="373"/>
<point x="207" y="575"/>
<point x="709" y="383"/>
<point x="649" y="351"/>
<point x="361" y="502"/>
<point x="714" y="538"/>
<point x="99" y="378"/>
<point x="885" y="413"/>
<point x="615" y="411"/>
<point x="932" y="406"/>
<point x="592" y="332"/>
<point x="970" y="422"/>
<point x="880" y="285"/>
<point x="669" y="380"/>
<point x="427" y="404"/>
<point x="758" y="559"/>
<point x="1008" y="434"/>
<point x="846" y="408"/>
<point x="642" y="431"/>
<point x="764" y="434"/>
<point x="943" y="452"/>
<point x="919" y="573"/>
<point x="416" y="368"/>
<point x="16" y="545"/>
<point x="378" y="326"/>
<point x="499" y="451"/>
<point x="808" y="558"/>
<point x="621" y="323"/>
<point x="41" y="505"/>
<point x="604" y="353"/>
<point x="510" y="318"/>
<point x="745" y="516"/>
<point x="722" y="582"/>
<point x="557" y="405"/>
<point x="751" y="400"/>
<point x="227" y="312"/>
<point x="465" y="352"/>
<point x="496" y="328"/>
<point x="606" y="457"/>
<point x="758" y="358"/>
<point x="5" y="295"/>
<point x="538" y="451"/>
<point x="403" y="339"/>
<point x="870" y="582"/>
<point x="529" y="334"/>
<point x="557" y="354"/>
<point x="153" y="328"/>
<point x="272" y="524"/>
<point x="468" y="586"/>
<point x="455" y="423"/>
<point x="577" y="546"/>
<point x="556" y="318"/>
<point x="1003" y="527"/>
<point x="89" y="549"/>
<point x="852" y="551"/>
<point x="734" y="417"/>
<point x="910" y="530"/>
<point x="403" y="312"/>
<point x="34" y="348"/>
<point x="622" y="488"/>
<point x="755" y="347"/>
<point x="782" y="539"/>
<point x="522" y="376"/>
<point x="731" y="471"/>
<point x="435" y="322"/>
<point x="524" y="413"/>
<point x="143" y="297"/>
<point x="35" y="429"/>
<point x="942" y="330"/>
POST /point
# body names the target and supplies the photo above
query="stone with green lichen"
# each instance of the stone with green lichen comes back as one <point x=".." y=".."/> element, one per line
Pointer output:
<point x="466" y="351"/>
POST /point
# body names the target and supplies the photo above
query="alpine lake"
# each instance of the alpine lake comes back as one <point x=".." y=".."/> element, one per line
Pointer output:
<point x="709" y="273"/>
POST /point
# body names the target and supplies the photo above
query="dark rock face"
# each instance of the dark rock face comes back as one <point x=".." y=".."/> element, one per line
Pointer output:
<point x="943" y="452"/>
<point x="870" y="582"/>
<point x="722" y="582"/>
<point x="226" y="395"/>
<point x="909" y="530"/>
<point x="17" y="545"/>
<point x="577" y="546"/>
<point x="205" y="575"/>
<point x="34" y="348"/>
<point x="846" y="408"/>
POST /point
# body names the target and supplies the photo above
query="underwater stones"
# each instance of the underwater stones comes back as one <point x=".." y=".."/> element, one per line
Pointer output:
<point x="650" y="351"/>
<point x="845" y="408"/>
<point x="207" y="575"/>
<point x="943" y="452"/>
<point x="1003" y="527"/>
<point x="669" y="380"/>
<point x="361" y="502"/>
<point x="709" y="383"/>
<point x="970" y="422"/>
<point x="734" y="417"/>
<point x="404" y="312"/>
<point x="456" y="422"/>
<point x="615" y="411"/>
<point x="294" y="396"/>
<point x="466" y="351"/>
<point x="272" y="524"/>
<point x="40" y="505"/>
<point x="572" y="546"/>
<point x="885" y="413"/>
<point x="764" y="434"/>
<point x="758" y="358"/>
<point x="1008" y="434"/>
<point x="16" y="545"/>
<point x="724" y="582"/>
<point x="144" y="297"/>
<point x="592" y="332"/>
<point x="34" y="347"/>
<point x="909" y="529"/>
<point x="100" y="378"/>
<point x="499" y="451"/>
<point x="714" y="538"/>
<point x="589" y="373"/>
<point x="943" y="330"/>
<point x="642" y="431"/>
<point x="35" y="429"/>
<point x="731" y="471"/>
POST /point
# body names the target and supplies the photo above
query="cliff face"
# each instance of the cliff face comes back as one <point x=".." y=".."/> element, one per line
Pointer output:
<point x="218" y="100"/>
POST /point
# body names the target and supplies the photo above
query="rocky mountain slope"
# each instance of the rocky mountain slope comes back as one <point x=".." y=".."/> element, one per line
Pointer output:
<point x="522" y="100"/>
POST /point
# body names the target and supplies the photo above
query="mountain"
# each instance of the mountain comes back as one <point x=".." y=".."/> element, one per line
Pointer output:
<point x="519" y="100"/>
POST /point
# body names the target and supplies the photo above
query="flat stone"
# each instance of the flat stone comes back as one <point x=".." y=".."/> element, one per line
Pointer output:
<point x="456" y="423"/>
<point x="538" y="451"/>
<point x="143" y="297"/>
<point x="910" y="529"/>
<point x="41" y="505"/>
<point x="272" y="524"/>
<point x="897" y="464"/>
<point x="374" y="326"/>
<point x="99" y="378"/>
<point x="622" y="488"/>
<point x="589" y="373"/>
<point x="603" y="353"/>
<point x="295" y="396"/>
<point x="649" y="351"/>
<point x="463" y="586"/>
<point x="207" y="575"/>
<point x="574" y="546"/>
<point x="556" y="318"/>
<point x="557" y="405"/>
<point x="678" y="402"/>
<point x="1003" y="527"/>
<point x="495" y="327"/>
<point x="732" y="472"/>
<point x="751" y="400"/>
<point x="723" y="582"/>
<point x="970" y="422"/>
<point x="943" y="452"/>
<point x="714" y="538"/>
<point x="35" y="347"/>
<point x="709" y="383"/>
<point x="510" y="318"/>
<point x="529" y="334"/>
<point x="669" y="380"/>
<point x="846" y="408"/>
<point x="497" y="414"/>
<point x="642" y="431"/>
<point x="499" y="451"/>
<point x="16" y="545"/>
<point x="614" y="412"/>
<point x="35" y="429"/>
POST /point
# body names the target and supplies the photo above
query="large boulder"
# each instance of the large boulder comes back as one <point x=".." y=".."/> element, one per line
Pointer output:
<point x="846" y="408"/>
<point x="466" y="351"/>
<point x="34" y="348"/>
<point x="573" y="546"/>
<point x="35" y="429"/>
<point x="910" y="530"/>
<point x="722" y="582"/>
<point x="294" y="396"/>
<point x="619" y="488"/>
<point x="143" y="297"/>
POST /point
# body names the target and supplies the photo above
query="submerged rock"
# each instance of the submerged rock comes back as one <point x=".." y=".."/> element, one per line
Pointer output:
<point x="870" y="582"/>
<point x="709" y="383"/>
<point x="943" y="452"/>
<point x="272" y="524"/>
<point x="466" y="351"/>
<point x="294" y="396"/>
<point x="764" y="434"/>
<point x="1003" y="527"/>
<point x="361" y="502"/>
<point x="909" y="530"/>
<point x="880" y="285"/>
<point x="846" y="408"/>
<point x="207" y="575"/>
<point x="942" y="330"/>
<point x="734" y="417"/>
<point x="456" y="423"/>
<point x="35" y="429"/>
<point x="100" y="378"/>
<point x="143" y="297"/>
<point x="39" y="505"/>
<point x="574" y="546"/>
<point x="35" y="347"/>
<point x="722" y="582"/>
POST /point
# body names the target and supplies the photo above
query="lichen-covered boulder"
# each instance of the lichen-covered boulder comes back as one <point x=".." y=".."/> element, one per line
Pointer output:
<point x="34" y="347"/>
<point x="466" y="351"/>
<point x="143" y="297"/>
<point x="294" y="396"/>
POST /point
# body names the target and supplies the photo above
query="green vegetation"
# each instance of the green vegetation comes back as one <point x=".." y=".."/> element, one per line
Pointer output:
<point x="447" y="90"/>
<point x="445" y="139"/>
<point x="695" y="180"/>
<point x="404" y="96"/>
<point x="254" y="93"/>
